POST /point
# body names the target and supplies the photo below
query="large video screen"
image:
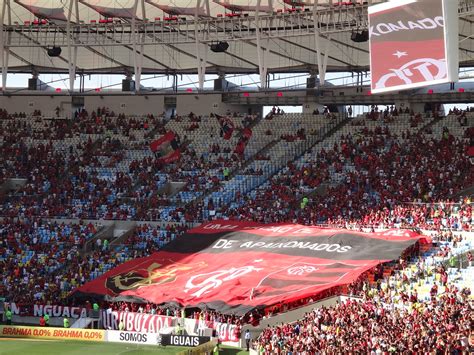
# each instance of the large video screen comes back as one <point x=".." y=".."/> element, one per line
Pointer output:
<point x="413" y="43"/>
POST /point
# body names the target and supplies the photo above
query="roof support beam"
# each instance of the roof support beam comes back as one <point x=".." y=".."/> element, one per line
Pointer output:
<point x="201" y="59"/>
<point x="207" y="7"/>
<point x="4" y="41"/>
<point x="137" y="55"/>
<point x="142" y="3"/>
<point x="322" y="62"/>
<point x="261" y="51"/>
<point x="270" y="5"/>
<point x="71" y="39"/>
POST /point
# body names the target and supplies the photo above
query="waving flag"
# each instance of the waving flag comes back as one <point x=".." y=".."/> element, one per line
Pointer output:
<point x="227" y="126"/>
<point x="166" y="148"/>
<point x="243" y="141"/>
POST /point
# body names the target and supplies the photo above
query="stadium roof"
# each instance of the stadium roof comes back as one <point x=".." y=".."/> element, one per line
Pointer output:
<point x="169" y="40"/>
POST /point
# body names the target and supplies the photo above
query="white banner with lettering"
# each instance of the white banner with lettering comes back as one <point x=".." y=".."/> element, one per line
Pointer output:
<point x="133" y="337"/>
<point x="135" y="322"/>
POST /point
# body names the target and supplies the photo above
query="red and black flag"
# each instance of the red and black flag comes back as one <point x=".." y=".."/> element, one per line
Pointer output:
<point x="243" y="141"/>
<point x="166" y="148"/>
<point x="227" y="127"/>
<point x="234" y="267"/>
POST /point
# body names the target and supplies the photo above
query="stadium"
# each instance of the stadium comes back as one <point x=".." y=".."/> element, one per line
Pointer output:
<point x="236" y="176"/>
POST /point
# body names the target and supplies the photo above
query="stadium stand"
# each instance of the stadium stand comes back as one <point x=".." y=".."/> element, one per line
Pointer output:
<point x="204" y="209"/>
<point x="35" y="256"/>
<point x="423" y="303"/>
<point x="381" y="170"/>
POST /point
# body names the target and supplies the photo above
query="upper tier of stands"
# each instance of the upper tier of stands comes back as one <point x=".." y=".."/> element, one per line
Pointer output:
<point x="312" y="168"/>
<point x="107" y="170"/>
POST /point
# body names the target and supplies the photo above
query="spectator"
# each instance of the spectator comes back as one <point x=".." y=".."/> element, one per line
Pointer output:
<point x="247" y="339"/>
<point x="8" y="316"/>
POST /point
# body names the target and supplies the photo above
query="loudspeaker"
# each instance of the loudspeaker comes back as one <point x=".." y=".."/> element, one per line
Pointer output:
<point x="78" y="101"/>
<point x="128" y="85"/>
<point x="311" y="83"/>
<point x="218" y="84"/>
<point x="54" y="51"/>
<point x="360" y="36"/>
<point x="219" y="47"/>
<point x="364" y="35"/>
<point x="33" y="84"/>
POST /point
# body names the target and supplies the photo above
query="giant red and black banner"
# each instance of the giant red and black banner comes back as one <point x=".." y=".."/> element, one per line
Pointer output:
<point x="234" y="267"/>
<point x="409" y="44"/>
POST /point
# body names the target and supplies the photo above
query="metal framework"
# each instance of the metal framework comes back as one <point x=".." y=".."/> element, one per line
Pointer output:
<point x="5" y="40"/>
<point x="183" y="31"/>
<point x="266" y="99"/>
<point x="201" y="50"/>
<point x="71" y="41"/>
<point x="259" y="31"/>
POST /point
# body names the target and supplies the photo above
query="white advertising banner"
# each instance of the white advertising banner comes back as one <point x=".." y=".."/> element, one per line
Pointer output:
<point x="135" y="322"/>
<point x="133" y="337"/>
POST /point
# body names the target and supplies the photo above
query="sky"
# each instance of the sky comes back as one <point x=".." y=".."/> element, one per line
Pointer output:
<point x="163" y="81"/>
<point x="293" y="81"/>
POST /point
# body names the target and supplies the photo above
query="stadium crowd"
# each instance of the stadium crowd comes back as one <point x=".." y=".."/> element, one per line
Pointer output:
<point x="85" y="169"/>
<point x="35" y="255"/>
<point x="443" y="325"/>
<point x="44" y="261"/>
<point x="388" y="173"/>
<point x="82" y="180"/>
<point x="99" y="166"/>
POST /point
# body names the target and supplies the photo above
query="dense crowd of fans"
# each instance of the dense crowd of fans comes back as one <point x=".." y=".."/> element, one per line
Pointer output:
<point x="34" y="255"/>
<point x="80" y="178"/>
<point x="442" y="325"/>
<point x="391" y="184"/>
<point x="44" y="261"/>
<point x="98" y="166"/>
